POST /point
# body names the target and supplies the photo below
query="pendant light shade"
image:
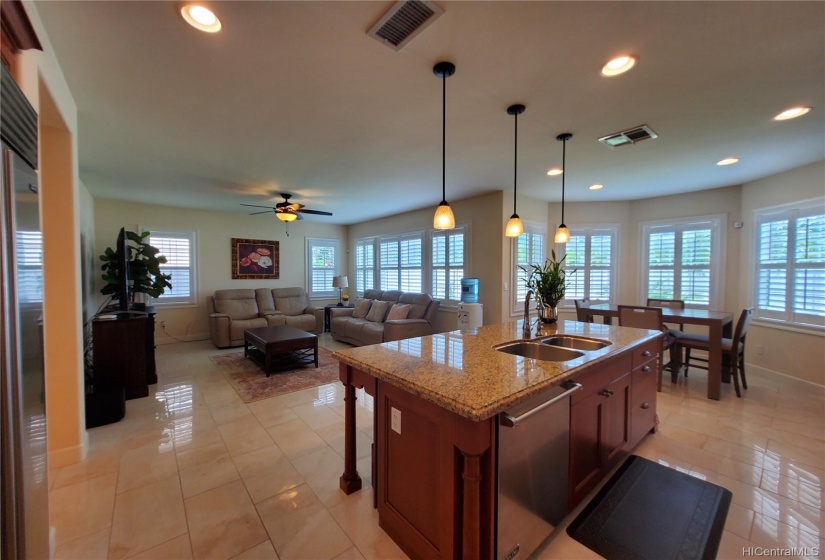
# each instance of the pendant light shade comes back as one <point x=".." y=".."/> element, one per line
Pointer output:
<point x="514" y="226"/>
<point x="563" y="234"/>
<point x="444" y="218"/>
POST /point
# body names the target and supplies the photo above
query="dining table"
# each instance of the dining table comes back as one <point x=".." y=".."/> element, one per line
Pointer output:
<point x="718" y="323"/>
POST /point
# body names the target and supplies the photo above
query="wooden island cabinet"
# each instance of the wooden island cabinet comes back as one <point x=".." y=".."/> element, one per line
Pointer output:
<point x="436" y="422"/>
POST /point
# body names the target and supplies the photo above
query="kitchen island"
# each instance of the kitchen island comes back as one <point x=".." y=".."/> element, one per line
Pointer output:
<point x="437" y="404"/>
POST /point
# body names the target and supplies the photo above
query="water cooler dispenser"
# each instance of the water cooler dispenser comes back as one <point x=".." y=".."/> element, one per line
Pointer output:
<point x="470" y="312"/>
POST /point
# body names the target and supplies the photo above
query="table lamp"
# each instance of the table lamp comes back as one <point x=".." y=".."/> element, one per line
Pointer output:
<point x="340" y="282"/>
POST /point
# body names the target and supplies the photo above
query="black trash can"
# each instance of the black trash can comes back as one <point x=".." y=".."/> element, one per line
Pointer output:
<point x="105" y="403"/>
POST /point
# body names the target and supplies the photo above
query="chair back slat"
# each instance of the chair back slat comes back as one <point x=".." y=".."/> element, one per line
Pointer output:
<point x="640" y="317"/>
<point x="581" y="311"/>
<point x="741" y="330"/>
<point x="669" y="303"/>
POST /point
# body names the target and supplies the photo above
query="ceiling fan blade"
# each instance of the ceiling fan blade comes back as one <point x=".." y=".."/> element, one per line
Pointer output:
<point x="318" y="212"/>
<point x="256" y="206"/>
<point x="256" y="213"/>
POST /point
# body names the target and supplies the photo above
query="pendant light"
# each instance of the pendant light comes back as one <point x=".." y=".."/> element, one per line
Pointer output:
<point x="563" y="234"/>
<point x="514" y="226"/>
<point x="444" y="218"/>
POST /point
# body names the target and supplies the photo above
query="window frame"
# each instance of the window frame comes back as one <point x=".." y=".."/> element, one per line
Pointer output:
<point x="372" y="243"/>
<point x="311" y="243"/>
<point x="588" y="231"/>
<point x="398" y="239"/>
<point x="432" y="235"/>
<point x="790" y="212"/>
<point x="532" y="229"/>
<point x="716" y="281"/>
<point x="176" y="301"/>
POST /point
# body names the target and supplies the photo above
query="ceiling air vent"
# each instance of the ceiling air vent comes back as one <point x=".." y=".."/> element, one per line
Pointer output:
<point x="405" y="20"/>
<point x="630" y="136"/>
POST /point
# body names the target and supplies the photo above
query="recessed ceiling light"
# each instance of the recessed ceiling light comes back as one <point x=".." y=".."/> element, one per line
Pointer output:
<point x="791" y="113"/>
<point x="554" y="171"/>
<point x="201" y="18"/>
<point x="618" y="65"/>
<point x="595" y="187"/>
<point x="728" y="161"/>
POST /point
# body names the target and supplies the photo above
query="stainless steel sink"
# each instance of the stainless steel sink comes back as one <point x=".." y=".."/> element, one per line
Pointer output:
<point x="539" y="351"/>
<point x="576" y="342"/>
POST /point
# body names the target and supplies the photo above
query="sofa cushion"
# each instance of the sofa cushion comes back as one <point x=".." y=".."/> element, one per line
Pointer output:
<point x="372" y="294"/>
<point x="237" y="327"/>
<point x="362" y="307"/>
<point x="290" y="301"/>
<point x="391" y="295"/>
<point x="378" y="310"/>
<point x="238" y="304"/>
<point x="372" y="333"/>
<point x="266" y="305"/>
<point x="398" y="311"/>
<point x="418" y="304"/>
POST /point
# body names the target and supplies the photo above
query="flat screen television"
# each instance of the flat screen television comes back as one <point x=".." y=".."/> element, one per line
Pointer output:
<point x="123" y="255"/>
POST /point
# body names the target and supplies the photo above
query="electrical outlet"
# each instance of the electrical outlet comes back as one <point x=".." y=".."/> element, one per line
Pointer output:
<point x="759" y="349"/>
<point x="395" y="422"/>
<point x="163" y="324"/>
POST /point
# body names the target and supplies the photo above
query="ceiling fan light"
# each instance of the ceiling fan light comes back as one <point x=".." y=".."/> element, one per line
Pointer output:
<point x="286" y="216"/>
<point x="618" y="65"/>
<point x="201" y="17"/>
<point x="444" y="218"/>
<point x="514" y="226"/>
<point x="562" y="234"/>
<point x="792" y="113"/>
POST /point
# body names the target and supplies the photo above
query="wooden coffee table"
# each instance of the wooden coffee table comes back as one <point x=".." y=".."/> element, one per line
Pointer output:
<point x="283" y="347"/>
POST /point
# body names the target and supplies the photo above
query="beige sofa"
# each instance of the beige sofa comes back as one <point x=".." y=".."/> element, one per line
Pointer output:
<point x="361" y="331"/>
<point x="231" y="312"/>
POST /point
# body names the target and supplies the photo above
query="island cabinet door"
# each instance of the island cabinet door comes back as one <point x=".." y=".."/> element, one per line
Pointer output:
<point x="435" y="472"/>
<point x="599" y="426"/>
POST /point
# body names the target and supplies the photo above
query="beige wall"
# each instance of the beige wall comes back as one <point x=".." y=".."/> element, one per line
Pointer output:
<point x="483" y="215"/>
<point x="796" y="353"/>
<point x="213" y="231"/>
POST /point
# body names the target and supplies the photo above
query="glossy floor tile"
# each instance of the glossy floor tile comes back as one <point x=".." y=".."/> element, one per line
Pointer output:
<point x="193" y="472"/>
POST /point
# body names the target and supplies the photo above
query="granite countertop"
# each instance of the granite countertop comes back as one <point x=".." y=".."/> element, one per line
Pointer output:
<point x="461" y="371"/>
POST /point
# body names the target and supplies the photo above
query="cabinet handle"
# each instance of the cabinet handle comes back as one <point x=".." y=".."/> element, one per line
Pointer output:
<point x="645" y="405"/>
<point x="606" y="393"/>
<point x="646" y="353"/>
<point x="646" y="368"/>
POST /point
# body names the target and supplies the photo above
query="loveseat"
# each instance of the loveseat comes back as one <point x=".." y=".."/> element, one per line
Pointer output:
<point x="372" y="320"/>
<point x="231" y="312"/>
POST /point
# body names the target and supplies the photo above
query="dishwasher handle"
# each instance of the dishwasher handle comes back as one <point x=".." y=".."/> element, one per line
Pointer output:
<point x="513" y="421"/>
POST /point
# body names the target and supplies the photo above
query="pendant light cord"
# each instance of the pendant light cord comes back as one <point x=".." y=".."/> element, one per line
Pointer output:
<point x="515" y="165"/>
<point x="444" y="138"/>
<point x="563" y="173"/>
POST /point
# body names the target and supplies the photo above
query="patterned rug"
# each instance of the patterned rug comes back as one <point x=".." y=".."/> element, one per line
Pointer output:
<point x="251" y="384"/>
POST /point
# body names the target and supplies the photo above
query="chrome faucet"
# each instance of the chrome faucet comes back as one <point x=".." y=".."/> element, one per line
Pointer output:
<point x="525" y="328"/>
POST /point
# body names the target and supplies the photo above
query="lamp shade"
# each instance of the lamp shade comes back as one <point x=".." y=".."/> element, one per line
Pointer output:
<point x="444" y="218"/>
<point x="514" y="226"/>
<point x="340" y="282"/>
<point x="562" y="234"/>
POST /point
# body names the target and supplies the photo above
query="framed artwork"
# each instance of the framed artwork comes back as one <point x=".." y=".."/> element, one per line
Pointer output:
<point x="254" y="259"/>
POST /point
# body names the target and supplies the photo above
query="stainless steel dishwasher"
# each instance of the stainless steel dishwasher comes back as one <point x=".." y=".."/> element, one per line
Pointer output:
<point x="531" y="482"/>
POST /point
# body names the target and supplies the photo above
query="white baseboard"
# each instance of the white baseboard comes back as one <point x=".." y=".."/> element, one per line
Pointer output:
<point x="750" y="368"/>
<point x="187" y="338"/>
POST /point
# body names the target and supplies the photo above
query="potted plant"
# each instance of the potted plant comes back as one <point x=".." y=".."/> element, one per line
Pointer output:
<point x="145" y="276"/>
<point x="548" y="283"/>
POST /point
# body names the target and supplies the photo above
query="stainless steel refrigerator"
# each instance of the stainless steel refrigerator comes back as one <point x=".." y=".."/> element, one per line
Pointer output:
<point x="24" y="470"/>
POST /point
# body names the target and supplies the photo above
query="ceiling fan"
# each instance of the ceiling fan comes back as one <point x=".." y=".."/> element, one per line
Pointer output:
<point x="287" y="211"/>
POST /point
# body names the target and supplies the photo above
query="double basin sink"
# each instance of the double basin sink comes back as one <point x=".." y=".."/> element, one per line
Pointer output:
<point x="557" y="348"/>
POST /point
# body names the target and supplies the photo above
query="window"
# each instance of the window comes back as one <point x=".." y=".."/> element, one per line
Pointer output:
<point x="29" y="266"/>
<point x="179" y="249"/>
<point x="401" y="262"/>
<point x="364" y="265"/>
<point x="322" y="266"/>
<point x="790" y="264"/>
<point x="447" y="259"/>
<point x="683" y="261"/>
<point x="528" y="248"/>
<point x="591" y="263"/>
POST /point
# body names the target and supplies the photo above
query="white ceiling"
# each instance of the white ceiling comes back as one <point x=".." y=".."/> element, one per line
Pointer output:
<point x="295" y="97"/>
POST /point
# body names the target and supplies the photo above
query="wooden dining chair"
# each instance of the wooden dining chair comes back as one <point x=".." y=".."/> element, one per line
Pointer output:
<point x="733" y="350"/>
<point x="582" y="313"/>
<point x="670" y="304"/>
<point x="651" y="318"/>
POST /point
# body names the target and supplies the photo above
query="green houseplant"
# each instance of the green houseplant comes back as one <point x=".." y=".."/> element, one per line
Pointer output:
<point x="549" y="284"/>
<point x="145" y="275"/>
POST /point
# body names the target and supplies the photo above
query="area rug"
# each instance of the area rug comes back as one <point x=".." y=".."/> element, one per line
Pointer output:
<point x="251" y="384"/>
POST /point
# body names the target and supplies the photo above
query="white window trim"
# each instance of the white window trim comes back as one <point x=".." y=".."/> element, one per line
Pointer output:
<point x="446" y="303"/>
<point x="717" y="277"/>
<point x="398" y="237"/>
<point x="194" y="273"/>
<point x="753" y="296"/>
<point x="365" y="241"/>
<point x="311" y="242"/>
<point x="517" y="307"/>
<point x="588" y="229"/>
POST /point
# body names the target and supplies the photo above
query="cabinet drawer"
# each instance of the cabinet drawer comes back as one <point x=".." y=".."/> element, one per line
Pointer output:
<point x="643" y="407"/>
<point x="647" y="373"/>
<point x="647" y="351"/>
<point x="602" y="376"/>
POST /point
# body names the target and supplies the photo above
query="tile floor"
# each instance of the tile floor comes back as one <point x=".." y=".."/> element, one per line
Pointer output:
<point x="193" y="472"/>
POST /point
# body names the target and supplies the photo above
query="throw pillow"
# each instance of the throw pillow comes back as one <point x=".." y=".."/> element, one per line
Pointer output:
<point x="362" y="307"/>
<point x="398" y="311"/>
<point x="378" y="311"/>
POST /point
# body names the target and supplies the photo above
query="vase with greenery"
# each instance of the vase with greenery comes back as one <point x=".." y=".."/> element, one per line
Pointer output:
<point x="145" y="275"/>
<point x="549" y="284"/>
